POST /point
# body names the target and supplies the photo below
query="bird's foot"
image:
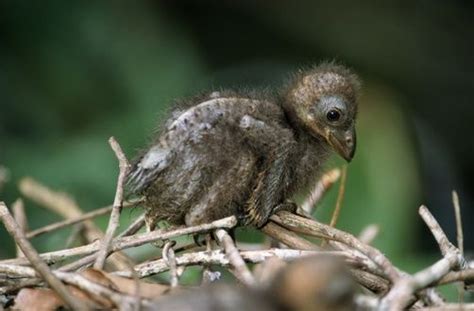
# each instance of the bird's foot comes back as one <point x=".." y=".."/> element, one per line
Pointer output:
<point x="288" y="206"/>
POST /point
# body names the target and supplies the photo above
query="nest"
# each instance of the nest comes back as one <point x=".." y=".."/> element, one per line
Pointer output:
<point x="98" y="274"/>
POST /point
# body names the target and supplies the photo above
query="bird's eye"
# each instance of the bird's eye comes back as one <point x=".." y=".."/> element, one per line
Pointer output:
<point x="333" y="115"/>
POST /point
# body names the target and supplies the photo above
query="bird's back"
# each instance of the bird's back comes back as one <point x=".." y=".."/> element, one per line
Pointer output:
<point x="201" y="168"/>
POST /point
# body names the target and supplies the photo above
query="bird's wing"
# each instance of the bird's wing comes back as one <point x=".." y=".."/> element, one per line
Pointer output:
<point x="187" y="128"/>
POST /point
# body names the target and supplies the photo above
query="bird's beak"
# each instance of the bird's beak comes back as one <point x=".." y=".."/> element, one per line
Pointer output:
<point x="343" y="142"/>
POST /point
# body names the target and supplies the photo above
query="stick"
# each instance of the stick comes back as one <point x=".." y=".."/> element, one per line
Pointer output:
<point x="241" y="270"/>
<point x="321" y="187"/>
<point x="459" y="231"/>
<point x="35" y="260"/>
<point x="134" y="227"/>
<point x="117" y="206"/>
<point x="287" y="237"/>
<point x="86" y="216"/>
<point x="369" y="233"/>
<point x="130" y="241"/>
<point x="63" y="205"/>
<point x="399" y="296"/>
<point x="316" y="229"/>
<point x="340" y="197"/>
<point x="459" y="236"/>
<point x="219" y="257"/>
<point x="18" y="209"/>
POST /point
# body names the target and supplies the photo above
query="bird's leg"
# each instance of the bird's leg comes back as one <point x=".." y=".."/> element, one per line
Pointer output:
<point x="275" y="146"/>
<point x="265" y="198"/>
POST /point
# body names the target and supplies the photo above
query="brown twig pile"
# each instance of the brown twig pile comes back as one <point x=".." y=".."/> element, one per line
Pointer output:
<point x="76" y="277"/>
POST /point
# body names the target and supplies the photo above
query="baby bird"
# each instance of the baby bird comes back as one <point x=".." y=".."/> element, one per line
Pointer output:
<point x="246" y="154"/>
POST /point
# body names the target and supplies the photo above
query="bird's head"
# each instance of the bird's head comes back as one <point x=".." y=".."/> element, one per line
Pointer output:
<point x="323" y="101"/>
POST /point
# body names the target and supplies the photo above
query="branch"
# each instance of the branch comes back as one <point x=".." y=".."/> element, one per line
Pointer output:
<point x="35" y="260"/>
<point x="19" y="215"/>
<point x="71" y="221"/>
<point x="241" y="270"/>
<point x="399" y="296"/>
<point x="316" y="229"/>
<point x="117" y="206"/>
<point x="130" y="241"/>
<point x="218" y="257"/>
<point x="321" y="187"/>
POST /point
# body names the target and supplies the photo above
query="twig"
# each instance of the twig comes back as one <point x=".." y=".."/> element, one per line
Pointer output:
<point x="4" y="176"/>
<point x="369" y="233"/>
<point x="405" y="287"/>
<point x="134" y="227"/>
<point x="18" y="210"/>
<point x="219" y="257"/>
<point x="121" y="300"/>
<point x="68" y="222"/>
<point x="459" y="231"/>
<point x="321" y="187"/>
<point x="316" y="229"/>
<point x="287" y="237"/>
<point x="40" y="266"/>
<point x="340" y="197"/>
<point x="117" y="206"/>
<point x="169" y="257"/>
<point x="74" y="235"/>
<point x="241" y="270"/>
<point x="63" y="205"/>
<point x="130" y="241"/>
<point x="444" y="244"/>
<point x="459" y="236"/>
<point x="86" y="216"/>
<point x="457" y="276"/>
<point x="88" y="260"/>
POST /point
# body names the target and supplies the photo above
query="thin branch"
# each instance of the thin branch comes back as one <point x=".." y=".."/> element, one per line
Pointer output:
<point x="369" y="233"/>
<point x="121" y="300"/>
<point x="287" y="237"/>
<point x="444" y="244"/>
<point x="219" y="257"/>
<point x="18" y="210"/>
<point x="117" y="206"/>
<point x="321" y="187"/>
<point x="4" y="176"/>
<point x="459" y="236"/>
<point x="134" y="227"/>
<point x="35" y="260"/>
<point x="459" y="231"/>
<point x="399" y="296"/>
<point x="130" y="241"/>
<point x="63" y="205"/>
<point x="316" y="229"/>
<point x="238" y="264"/>
<point x="86" y="216"/>
<point x="340" y="197"/>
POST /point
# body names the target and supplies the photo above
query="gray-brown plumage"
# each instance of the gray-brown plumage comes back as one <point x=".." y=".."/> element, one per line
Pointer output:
<point x="229" y="153"/>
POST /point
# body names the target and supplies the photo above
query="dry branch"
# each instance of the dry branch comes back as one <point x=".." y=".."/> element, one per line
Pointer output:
<point x="116" y="207"/>
<point x="30" y="253"/>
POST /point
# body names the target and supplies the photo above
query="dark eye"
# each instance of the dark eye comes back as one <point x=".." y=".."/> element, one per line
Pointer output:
<point x="333" y="115"/>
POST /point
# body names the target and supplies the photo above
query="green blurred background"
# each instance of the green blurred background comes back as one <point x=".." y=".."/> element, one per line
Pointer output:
<point x="73" y="73"/>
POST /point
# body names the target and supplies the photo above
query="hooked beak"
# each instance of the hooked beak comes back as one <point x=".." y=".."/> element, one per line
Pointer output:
<point x="343" y="142"/>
